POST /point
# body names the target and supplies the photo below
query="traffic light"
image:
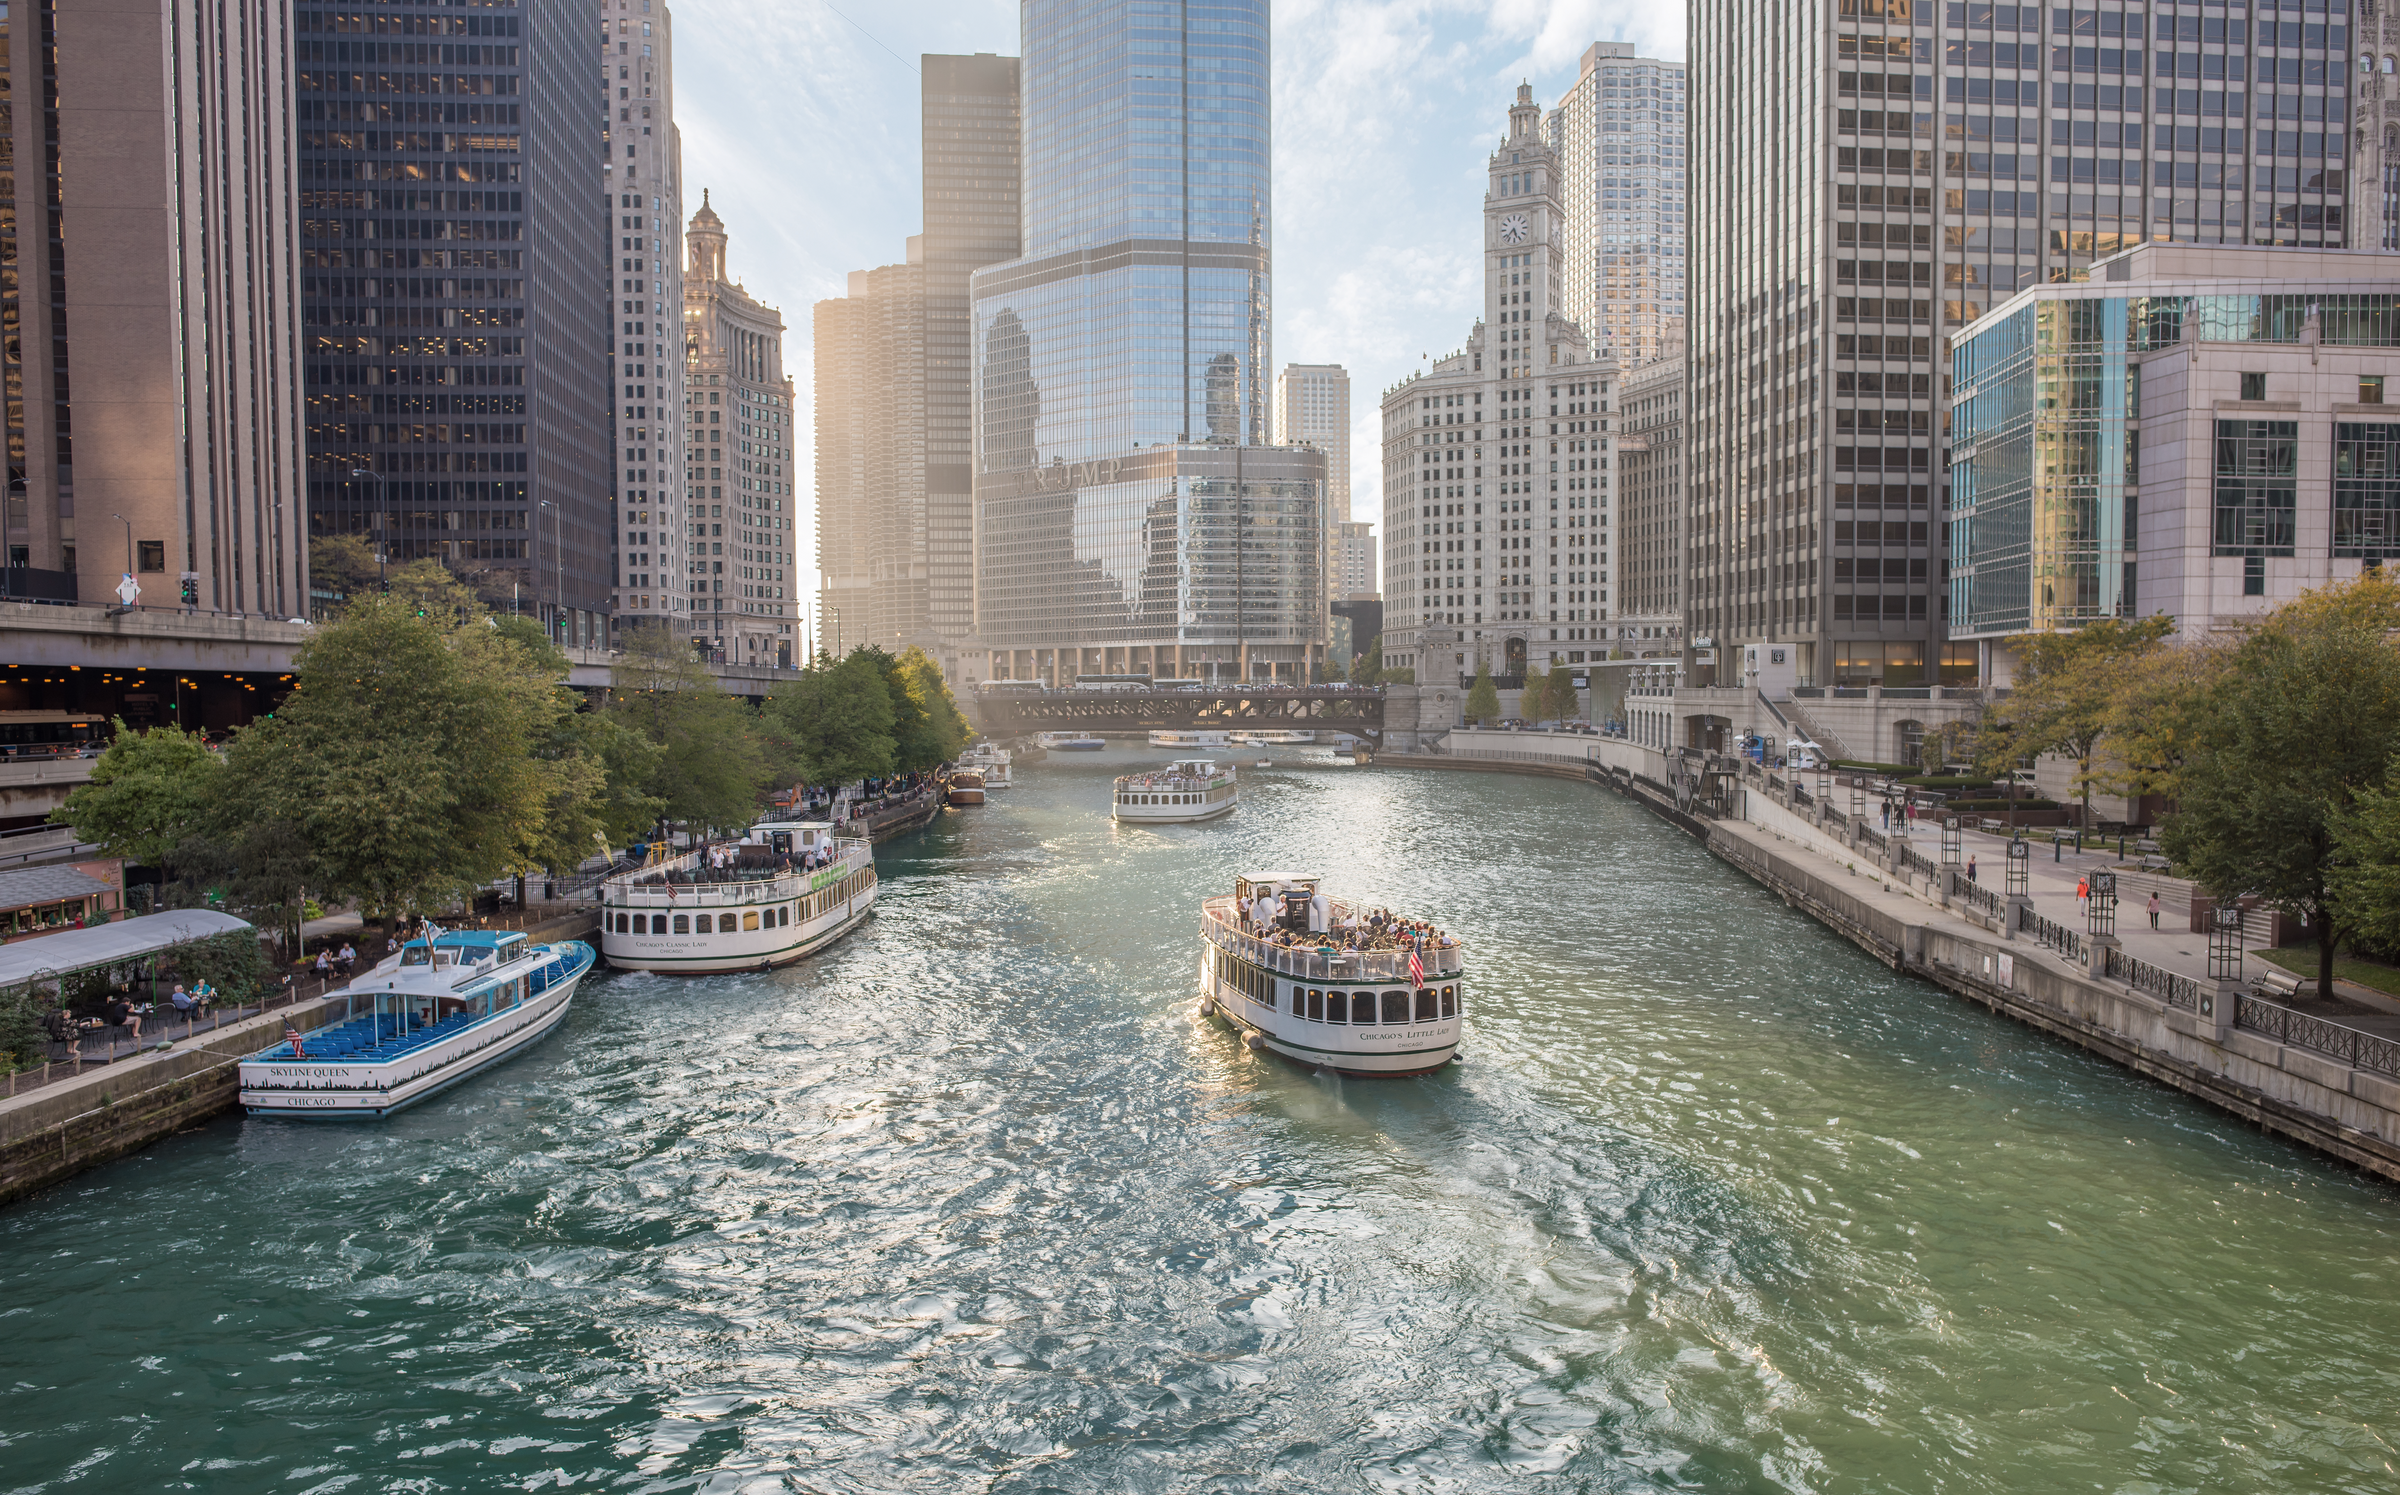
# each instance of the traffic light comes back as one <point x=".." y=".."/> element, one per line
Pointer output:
<point x="191" y="591"/>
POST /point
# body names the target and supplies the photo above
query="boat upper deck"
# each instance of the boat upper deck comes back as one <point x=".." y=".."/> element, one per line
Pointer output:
<point x="432" y="990"/>
<point x="1341" y="954"/>
<point x="736" y="873"/>
<point x="1183" y="773"/>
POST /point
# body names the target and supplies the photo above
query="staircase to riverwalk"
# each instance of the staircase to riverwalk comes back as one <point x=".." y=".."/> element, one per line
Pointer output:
<point x="1792" y="711"/>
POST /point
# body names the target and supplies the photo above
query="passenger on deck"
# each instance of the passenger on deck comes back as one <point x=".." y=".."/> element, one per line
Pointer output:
<point x="64" y="1029"/>
<point x="324" y="965"/>
<point x="348" y="959"/>
<point x="183" y="1001"/>
<point x="121" y="1015"/>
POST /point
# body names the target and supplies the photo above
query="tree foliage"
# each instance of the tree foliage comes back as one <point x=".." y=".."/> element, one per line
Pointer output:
<point x="2365" y="884"/>
<point x="1369" y="669"/>
<point x="1483" y="697"/>
<point x="2155" y="712"/>
<point x="2289" y="744"/>
<point x="406" y="753"/>
<point x="1533" y="702"/>
<point x="707" y="764"/>
<point x="944" y="731"/>
<point x="344" y="564"/>
<point x="2064" y="693"/>
<point x="147" y="792"/>
<point x="840" y="718"/>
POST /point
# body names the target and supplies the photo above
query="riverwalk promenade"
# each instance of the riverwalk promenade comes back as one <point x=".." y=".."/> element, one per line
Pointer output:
<point x="2325" y="1074"/>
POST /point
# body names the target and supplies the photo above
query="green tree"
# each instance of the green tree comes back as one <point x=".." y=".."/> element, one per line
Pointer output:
<point x="344" y="564"/>
<point x="406" y="754"/>
<point x="2065" y="687"/>
<point x="944" y="732"/>
<point x="1564" y="703"/>
<point x="1533" y="703"/>
<point x="1369" y="669"/>
<point x="2155" y="713"/>
<point x="268" y="869"/>
<point x="1483" y="698"/>
<point x="839" y="716"/>
<point x="2365" y="885"/>
<point x="2293" y="738"/>
<point x="710" y="765"/>
<point x="147" y="792"/>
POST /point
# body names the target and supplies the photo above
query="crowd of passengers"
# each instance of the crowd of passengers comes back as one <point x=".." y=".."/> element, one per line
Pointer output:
<point x="741" y="861"/>
<point x="1168" y="779"/>
<point x="1271" y="916"/>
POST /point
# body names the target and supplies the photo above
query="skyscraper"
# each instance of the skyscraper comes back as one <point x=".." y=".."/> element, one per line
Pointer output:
<point x="1129" y="514"/>
<point x="644" y="284"/>
<point x="1650" y="401"/>
<point x="1498" y="507"/>
<point x="151" y="356"/>
<point x="1619" y="133"/>
<point x="872" y="438"/>
<point x="1875" y="176"/>
<point x="971" y="189"/>
<point x="744" y="547"/>
<point x="451" y="217"/>
<point x="1312" y="408"/>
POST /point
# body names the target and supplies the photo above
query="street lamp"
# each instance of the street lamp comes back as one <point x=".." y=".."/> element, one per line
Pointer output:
<point x="383" y="524"/>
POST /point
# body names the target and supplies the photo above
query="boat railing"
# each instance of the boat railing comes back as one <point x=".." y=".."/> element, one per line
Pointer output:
<point x="734" y="885"/>
<point x="1221" y="928"/>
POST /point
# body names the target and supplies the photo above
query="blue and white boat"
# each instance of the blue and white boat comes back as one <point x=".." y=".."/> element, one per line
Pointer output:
<point x="442" y="1010"/>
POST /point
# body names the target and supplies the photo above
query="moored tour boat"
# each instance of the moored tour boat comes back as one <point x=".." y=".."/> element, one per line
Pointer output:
<point x="1186" y="790"/>
<point x="1358" y="1012"/>
<point x="1070" y="742"/>
<point x="1280" y="738"/>
<point x="438" y="1011"/>
<point x="787" y="889"/>
<point x="990" y="760"/>
<point x="965" y="787"/>
<point x="1181" y="737"/>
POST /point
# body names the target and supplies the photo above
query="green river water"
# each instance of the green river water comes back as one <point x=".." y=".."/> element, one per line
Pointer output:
<point x="972" y="1203"/>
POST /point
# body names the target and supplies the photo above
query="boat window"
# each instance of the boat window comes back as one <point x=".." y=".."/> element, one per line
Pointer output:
<point x="1425" y="997"/>
<point x="1316" y="1006"/>
<point x="1269" y="1000"/>
<point x="415" y="955"/>
<point x="1337" y="1007"/>
<point x="621" y="923"/>
<point x="1449" y="1001"/>
<point x="1362" y="1007"/>
<point x="750" y="921"/>
<point x="1395" y="1007"/>
<point x="683" y="924"/>
<point x="658" y="923"/>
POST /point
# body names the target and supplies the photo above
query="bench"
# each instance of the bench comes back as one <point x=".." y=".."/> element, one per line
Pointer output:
<point x="2275" y="981"/>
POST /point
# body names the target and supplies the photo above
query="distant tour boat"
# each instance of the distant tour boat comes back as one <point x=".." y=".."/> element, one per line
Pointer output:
<point x="441" y="1010"/>
<point x="1070" y="742"/>
<point x="965" y="787"/>
<point x="1360" y="1012"/>
<point x="1279" y="738"/>
<point x="1189" y="789"/>
<point x="787" y="889"/>
<point x="1176" y="737"/>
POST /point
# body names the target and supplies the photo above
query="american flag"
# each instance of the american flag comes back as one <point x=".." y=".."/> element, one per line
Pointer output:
<point x="292" y="1034"/>
<point x="1416" y="967"/>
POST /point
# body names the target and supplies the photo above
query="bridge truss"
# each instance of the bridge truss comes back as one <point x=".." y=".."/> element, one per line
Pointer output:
<point x="1357" y="712"/>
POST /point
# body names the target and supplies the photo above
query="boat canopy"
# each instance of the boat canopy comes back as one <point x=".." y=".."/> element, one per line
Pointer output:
<point x="1249" y="885"/>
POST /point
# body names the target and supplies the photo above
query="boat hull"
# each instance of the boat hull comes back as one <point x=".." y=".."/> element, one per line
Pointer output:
<point x="966" y="796"/>
<point x="1173" y="814"/>
<point x="1368" y="1051"/>
<point x="319" y="1091"/>
<point x="743" y="950"/>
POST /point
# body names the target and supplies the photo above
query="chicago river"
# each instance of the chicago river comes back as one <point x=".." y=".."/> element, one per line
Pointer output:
<point x="972" y="1202"/>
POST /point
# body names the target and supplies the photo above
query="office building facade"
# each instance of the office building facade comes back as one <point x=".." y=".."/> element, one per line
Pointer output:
<point x="2200" y="431"/>
<point x="1130" y="513"/>
<point x="457" y="354"/>
<point x="1354" y="559"/>
<point x="743" y="545"/>
<point x="151" y="360"/>
<point x="1496" y="464"/>
<point x="973" y="176"/>
<point x="1650" y="505"/>
<point x="1312" y="408"/>
<point x="873" y="440"/>
<point x="1874" y="183"/>
<point x="644" y="286"/>
<point x="1619" y="134"/>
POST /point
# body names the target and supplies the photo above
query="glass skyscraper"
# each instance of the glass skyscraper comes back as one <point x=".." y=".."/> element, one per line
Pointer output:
<point x="1128" y="512"/>
<point x="1619" y="135"/>
<point x="1875" y="175"/>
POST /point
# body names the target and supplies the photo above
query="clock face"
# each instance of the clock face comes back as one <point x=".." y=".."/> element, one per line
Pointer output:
<point x="1516" y="228"/>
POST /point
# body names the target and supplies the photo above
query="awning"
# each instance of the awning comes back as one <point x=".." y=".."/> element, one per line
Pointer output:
<point x="120" y="943"/>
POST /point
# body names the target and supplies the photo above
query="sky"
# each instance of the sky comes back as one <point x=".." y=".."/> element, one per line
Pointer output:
<point x="800" y="117"/>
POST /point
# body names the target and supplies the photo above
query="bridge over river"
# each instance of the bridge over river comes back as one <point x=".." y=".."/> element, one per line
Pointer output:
<point x="1357" y="710"/>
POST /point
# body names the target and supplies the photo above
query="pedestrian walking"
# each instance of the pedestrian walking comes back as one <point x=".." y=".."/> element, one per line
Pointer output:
<point x="2154" y="910"/>
<point x="2083" y="890"/>
<point x="1970" y="869"/>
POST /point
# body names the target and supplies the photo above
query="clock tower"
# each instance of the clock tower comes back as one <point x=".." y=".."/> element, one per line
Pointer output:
<point x="1522" y="259"/>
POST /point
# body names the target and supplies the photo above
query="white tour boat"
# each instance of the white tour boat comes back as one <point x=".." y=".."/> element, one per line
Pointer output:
<point x="1070" y="742"/>
<point x="787" y="889"/>
<point x="1359" y="1012"/>
<point x="990" y="760"/>
<point x="1178" y="737"/>
<point x="437" y="1012"/>
<point x="1275" y="738"/>
<point x="1187" y="789"/>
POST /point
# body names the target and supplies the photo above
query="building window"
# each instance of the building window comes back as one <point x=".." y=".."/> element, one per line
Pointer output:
<point x="2254" y="386"/>
<point x="154" y="554"/>
<point x="2366" y="491"/>
<point x="2370" y="389"/>
<point x="2256" y="485"/>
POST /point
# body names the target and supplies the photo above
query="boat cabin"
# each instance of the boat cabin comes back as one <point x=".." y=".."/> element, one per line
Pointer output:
<point x="793" y="838"/>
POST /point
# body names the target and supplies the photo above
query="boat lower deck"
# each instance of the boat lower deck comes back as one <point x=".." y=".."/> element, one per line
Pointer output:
<point x="1371" y="1031"/>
